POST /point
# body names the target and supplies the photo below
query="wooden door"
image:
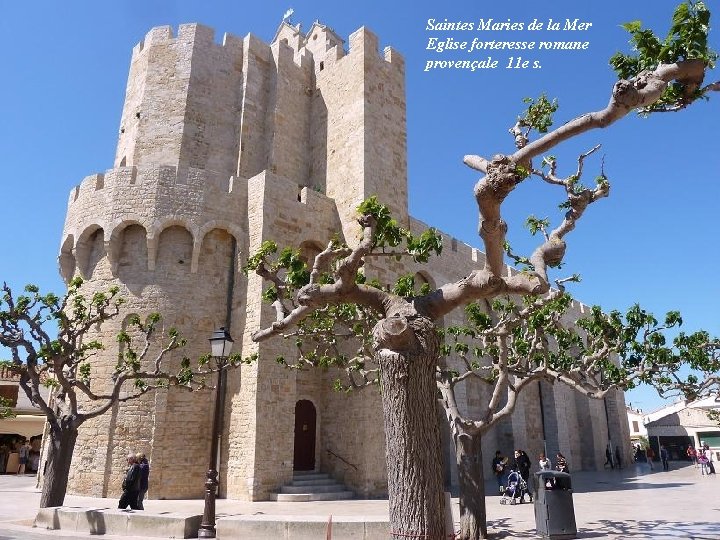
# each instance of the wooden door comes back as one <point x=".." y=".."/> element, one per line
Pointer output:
<point x="305" y="420"/>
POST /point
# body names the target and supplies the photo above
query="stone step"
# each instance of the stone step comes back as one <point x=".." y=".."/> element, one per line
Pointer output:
<point x="313" y="489"/>
<point x="306" y="497"/>
<point x="320" y="482"/>
<point x="312" y="486"/>
<point x="310" y="475"/>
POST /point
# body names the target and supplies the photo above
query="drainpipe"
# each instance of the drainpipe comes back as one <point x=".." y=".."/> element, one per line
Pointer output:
<point x="222" y="376"/>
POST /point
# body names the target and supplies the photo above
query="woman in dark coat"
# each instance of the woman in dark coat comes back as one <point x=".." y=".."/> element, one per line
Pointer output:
<point x="144" y="477"/>
<point x="522" y="465"/>
<point x="130" y="485"/>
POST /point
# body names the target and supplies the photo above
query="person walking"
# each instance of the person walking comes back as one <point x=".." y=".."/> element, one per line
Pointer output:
<point x="650" y="455"/>
<point x="608" y="458"/>
<point x="692" y="455"/>
<point x="499" y="464"/>
<point x="544" y="463"/>
<point x="24" y="455"/>
<point x="664" y="456"/>
<point x="4" y="455"/>
<point x="709" y="459"/>
<point x="618" y="458"/>
<point x="130" y="485"/>
<point x="144" y="478"/>
<point x="702" y="461"/>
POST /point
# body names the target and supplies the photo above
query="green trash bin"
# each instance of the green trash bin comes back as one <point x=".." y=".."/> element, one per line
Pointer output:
<point x="554" y="510"/>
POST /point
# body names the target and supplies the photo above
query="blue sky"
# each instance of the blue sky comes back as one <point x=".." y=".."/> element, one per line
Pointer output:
<point x="653" y="241"/>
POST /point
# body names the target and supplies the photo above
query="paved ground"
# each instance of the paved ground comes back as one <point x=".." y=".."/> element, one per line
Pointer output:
<point x="633" y="503"/>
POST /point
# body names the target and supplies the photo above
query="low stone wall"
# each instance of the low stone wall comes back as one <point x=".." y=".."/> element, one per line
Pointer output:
<point x="300" y="528"/>
<point x="99" y="521"/>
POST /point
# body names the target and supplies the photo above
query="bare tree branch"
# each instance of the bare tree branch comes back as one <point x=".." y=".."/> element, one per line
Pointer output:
<point x="476" y="162"/>
<point x="626" y="96"/>
<point x="343" y="290"/>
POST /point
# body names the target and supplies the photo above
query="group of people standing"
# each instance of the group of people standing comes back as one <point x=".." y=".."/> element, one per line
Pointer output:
<point x="502" y="466"/>
<point x="27" y="456"/>
<point x="135" y="482"/>
<point x="703" y="458"/>
<point x="648" y="455"/>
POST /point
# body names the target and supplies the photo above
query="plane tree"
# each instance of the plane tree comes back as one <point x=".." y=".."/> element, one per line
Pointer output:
<point x="51" y="344"/>
<point x="661" y="75"/>
<point x="505" y="346"/>
<point x="509" y="344"/>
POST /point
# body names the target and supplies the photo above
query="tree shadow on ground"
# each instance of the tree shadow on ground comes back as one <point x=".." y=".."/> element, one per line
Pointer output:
<point x="625" y="485"/>
<point x="656" y="529"/>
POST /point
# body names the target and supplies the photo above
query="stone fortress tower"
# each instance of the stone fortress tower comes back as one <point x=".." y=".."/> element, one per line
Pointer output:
<point x="223" y="146"/>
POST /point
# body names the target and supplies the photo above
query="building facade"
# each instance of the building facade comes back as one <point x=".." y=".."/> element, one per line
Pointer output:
<point x="225" y="145"/>
<point x="682" y="424"/>
<point x="26" y="422"/>
<point x="636" y="424"/>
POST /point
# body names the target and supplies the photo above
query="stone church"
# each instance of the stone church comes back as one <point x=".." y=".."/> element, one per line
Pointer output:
<point x="222" y="146"/>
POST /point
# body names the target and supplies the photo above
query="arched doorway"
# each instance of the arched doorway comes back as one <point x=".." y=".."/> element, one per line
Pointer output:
<point x="305" y="422"/>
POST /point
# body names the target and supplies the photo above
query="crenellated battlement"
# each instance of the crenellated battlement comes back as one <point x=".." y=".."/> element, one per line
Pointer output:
<point x="363" y="46"/>
<point x="122" y="179"/>
<point x="327" y="48"/>
<point x="362" y="42"/>
<point x="150" y="196"/>
<point x="277" y="191"/>
<point x="461" y="258"/>
<point x="285" y="54"/>
<point x="457" y="256"/>
<point x="154" y="198"/>
<point x="193" y="35"/>
<point x="366" y="43"/>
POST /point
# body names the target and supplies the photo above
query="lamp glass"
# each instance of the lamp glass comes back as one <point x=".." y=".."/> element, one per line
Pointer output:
<point x="221" y="343"/>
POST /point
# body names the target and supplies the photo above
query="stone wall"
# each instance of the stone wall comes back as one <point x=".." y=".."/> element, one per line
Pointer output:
<point x="182" y="104"/>
<point x="221" y="147"/>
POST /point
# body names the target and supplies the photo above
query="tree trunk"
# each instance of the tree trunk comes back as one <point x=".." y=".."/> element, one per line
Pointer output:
<point x="473" y="514"/>
<point x="57" y="466"/>
<point x="407" y="352"/>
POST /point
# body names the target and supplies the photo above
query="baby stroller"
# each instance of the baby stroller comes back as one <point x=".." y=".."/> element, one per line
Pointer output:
<point x="516" y="489"/>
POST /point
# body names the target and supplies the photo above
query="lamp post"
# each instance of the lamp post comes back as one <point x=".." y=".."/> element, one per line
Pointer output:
<point x="220" y="346"/>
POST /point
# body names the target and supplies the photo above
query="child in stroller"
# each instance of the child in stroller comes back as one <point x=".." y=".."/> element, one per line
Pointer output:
<point x="516" y="489"/>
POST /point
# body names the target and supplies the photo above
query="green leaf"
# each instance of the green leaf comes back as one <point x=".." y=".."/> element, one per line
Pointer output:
<point x="632" y="26"/>
<point x="536" y="225"/>
<point x="270" y="294"/>
<point x="267" y="248"/>
<point x="539" y="113"/>
<point x="405" y="286"/>
<point x="687" y="39"/>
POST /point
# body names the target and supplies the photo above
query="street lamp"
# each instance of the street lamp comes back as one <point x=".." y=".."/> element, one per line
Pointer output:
<point x="220" y="347"/>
